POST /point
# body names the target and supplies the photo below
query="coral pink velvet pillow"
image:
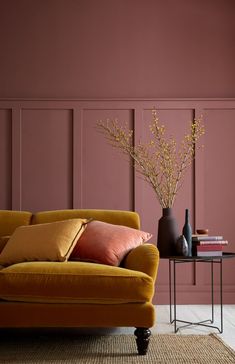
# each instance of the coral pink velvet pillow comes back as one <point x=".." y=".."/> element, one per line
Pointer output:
<point x="107" y="243"/>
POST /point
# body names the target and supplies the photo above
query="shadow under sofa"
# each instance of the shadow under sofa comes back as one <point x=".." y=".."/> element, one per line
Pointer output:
<point x="79" y="294"/>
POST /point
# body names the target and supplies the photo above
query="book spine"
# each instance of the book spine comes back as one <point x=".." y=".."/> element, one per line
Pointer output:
<point x="209" y="247"/>
<point x="210" y="254"/>
<point x="207" y="238"/>
<point x="212" y="242"/>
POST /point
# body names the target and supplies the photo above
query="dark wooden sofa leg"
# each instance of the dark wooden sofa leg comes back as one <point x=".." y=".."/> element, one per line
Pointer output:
<point x="142" y="339"/>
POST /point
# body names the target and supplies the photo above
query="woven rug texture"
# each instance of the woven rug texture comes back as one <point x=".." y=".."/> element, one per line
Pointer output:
<point x="109" y="349"/>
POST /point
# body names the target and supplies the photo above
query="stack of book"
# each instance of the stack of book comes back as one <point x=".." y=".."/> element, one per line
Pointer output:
<point x="206" y="245"/>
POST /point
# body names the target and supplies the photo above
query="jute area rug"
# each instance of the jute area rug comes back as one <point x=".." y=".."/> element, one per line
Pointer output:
<point x="83" y="349"/>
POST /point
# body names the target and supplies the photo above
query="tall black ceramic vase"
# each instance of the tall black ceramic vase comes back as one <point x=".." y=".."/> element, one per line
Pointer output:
<point x="168" y="233"/>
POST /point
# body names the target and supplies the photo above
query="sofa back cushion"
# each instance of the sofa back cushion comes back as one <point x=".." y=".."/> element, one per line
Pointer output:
<point x="117" y="217"/>
<point x="10" y="220"/>
<point x="43" y="242"/>
<point x="3" y="241"/>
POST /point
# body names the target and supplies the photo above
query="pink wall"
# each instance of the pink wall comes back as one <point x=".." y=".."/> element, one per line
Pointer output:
<point x="117" y="48"/>
<point x="82" y="52"/>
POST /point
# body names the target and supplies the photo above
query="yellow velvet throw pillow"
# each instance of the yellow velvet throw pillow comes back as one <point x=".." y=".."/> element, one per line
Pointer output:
<point x="43" y="242"/>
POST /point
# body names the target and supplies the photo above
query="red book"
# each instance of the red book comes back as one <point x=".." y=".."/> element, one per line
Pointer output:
<point x="209" y="247"/>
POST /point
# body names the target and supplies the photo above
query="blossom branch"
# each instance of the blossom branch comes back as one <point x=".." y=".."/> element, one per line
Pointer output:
<point x="158" y="161"/>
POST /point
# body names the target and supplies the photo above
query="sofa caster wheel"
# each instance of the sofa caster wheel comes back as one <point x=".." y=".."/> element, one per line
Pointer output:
<point x="142" y="339"/>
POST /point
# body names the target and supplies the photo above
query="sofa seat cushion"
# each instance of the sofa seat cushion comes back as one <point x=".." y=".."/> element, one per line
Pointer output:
<point x="73" y="282"/>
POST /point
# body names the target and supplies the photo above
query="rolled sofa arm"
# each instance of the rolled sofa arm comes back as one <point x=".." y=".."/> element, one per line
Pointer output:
<point x="144" y="258"/>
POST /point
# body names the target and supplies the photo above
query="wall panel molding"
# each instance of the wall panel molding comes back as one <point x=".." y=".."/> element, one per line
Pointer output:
<point x="6" y="157"/>
<point x="16" y="158"/>
<point x="95" y="175"/>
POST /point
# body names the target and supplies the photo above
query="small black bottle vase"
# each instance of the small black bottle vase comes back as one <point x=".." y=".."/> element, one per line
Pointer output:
<point x="187" y="232"/>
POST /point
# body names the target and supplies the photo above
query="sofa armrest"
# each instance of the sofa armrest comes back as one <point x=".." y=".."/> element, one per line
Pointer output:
<point x="144" y="258"/>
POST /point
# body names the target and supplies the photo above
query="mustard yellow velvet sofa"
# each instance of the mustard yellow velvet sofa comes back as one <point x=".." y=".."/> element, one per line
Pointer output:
<point x="79" y="294"/>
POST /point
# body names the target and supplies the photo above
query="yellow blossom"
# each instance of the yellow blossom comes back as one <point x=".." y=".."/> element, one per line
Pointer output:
<point x="159" y="161"/>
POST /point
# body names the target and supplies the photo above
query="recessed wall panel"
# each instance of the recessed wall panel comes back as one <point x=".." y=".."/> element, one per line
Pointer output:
<point x="47" y="159"/>
<point x="107" y="174"/>
<point x="177" y="123"/>
<point x="217" y="200"/>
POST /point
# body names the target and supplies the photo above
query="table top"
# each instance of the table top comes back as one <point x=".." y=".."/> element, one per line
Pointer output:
<point x="225" y="255"/>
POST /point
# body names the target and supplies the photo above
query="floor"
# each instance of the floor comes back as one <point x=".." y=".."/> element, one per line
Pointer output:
<point x="196" y="313"/>
<point x="193" y="313"/>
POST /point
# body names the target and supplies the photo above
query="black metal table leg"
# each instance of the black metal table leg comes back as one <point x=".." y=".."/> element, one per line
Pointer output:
<point x="174" y="282"/>
<point x="212" y="292"/>
<point x="221" y="296"/>
<point x="170" y="291"/>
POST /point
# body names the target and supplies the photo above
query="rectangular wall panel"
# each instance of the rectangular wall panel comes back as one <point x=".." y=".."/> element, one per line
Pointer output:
<point x="5" y="159"/>
<point x="47" y="159"/>
<point x="177" y="123"/>
<point x="107" y="174"/>
<point x="216" y="184"/>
